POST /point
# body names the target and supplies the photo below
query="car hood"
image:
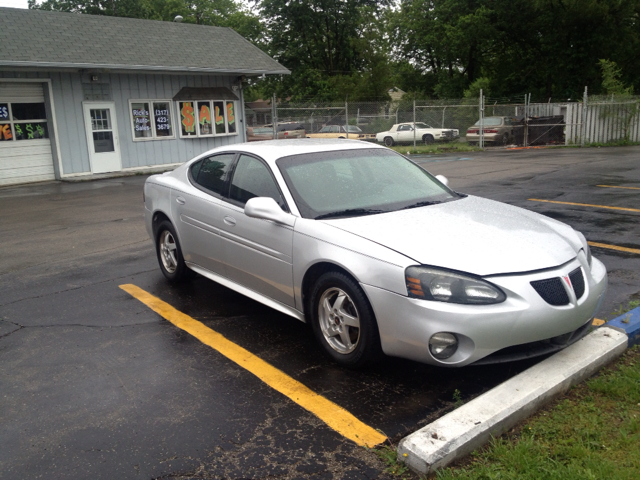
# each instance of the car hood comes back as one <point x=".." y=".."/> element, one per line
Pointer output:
<point x="473" y="235"/>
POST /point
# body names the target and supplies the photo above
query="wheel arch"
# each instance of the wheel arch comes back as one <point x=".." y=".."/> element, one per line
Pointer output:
<point x="156" y="219"/>
<point x="313" y="273"/>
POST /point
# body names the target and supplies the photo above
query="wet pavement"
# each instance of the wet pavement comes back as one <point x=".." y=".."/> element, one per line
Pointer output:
<point x="93" y="384"/>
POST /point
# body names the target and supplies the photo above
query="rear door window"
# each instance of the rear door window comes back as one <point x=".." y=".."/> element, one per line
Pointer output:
<point x="212" y="173"/>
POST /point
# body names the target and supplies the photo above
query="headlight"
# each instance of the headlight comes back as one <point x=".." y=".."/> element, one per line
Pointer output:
<point x="430" y="283"/>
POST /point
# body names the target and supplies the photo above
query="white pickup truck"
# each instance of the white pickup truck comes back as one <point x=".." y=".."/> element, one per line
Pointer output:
<point x="404" y="133"/>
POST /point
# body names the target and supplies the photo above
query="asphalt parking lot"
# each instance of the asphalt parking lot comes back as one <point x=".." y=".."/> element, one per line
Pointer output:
<point x="95" y="384"/>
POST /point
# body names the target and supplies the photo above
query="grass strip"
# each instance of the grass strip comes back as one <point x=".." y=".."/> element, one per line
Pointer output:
<point x="592" y="432"/>
<point x="436" y="148"/>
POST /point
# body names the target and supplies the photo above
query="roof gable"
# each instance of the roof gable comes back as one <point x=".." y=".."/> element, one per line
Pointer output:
<point x="37" y="38"/>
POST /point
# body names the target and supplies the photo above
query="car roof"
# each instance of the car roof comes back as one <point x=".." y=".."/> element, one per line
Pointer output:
<point x="271" y="150"/>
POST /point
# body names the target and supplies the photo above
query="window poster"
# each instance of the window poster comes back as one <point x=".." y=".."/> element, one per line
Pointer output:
<point x="5" y="132"/>
<point x="204" y="118"/>
<point x="188" y="119"/>
<point x="141" y="120"/>
<point x="4" y="111"/>
<point x="231" y="118"/>
<point x="31" y="131"/>
<point x="218" y="108"/>
<point x="162" y="117"/>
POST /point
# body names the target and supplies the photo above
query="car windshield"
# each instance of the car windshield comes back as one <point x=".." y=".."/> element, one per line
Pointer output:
<point x="490" y="122"/>
<point x="422" y="125"/>
<point x="351" y="183"/>
<point x="353" y="129"/>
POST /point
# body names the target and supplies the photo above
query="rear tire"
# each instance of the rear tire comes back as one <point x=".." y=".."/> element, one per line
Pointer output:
<point x="169" y="253"/>
<point x="388" y="141"/>
<point x="343" y="321"/>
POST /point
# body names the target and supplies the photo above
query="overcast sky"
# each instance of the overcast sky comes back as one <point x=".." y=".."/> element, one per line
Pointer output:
<point x="14" y="3"/>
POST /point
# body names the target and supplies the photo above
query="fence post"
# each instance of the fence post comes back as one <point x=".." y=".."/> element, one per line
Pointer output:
<point x="525" y="133"/>
<point x="274" y="115"/>
<point x="584" y="117"/>
<point x="346" y="116"/>
<point x="414" y="121"/>
<point x="481" y="114"/>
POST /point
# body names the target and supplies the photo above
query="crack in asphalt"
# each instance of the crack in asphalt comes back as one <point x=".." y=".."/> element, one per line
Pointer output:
<point x="77" y="288"/>
<point x="21" y="327"/>
<point x="77" y="256"/>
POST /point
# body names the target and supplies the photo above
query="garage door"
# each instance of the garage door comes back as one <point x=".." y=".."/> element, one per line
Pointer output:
<point x="25" y="147"/>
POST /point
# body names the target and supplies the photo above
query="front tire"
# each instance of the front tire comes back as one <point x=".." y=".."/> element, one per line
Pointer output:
<point x="388" y="141"/>
<point x="343" y="321"/>
<point x="169" y="253"/>
<point x="428" y="139"/>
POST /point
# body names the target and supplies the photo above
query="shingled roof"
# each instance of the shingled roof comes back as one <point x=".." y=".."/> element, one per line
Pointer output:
<point x="37" y="38"/>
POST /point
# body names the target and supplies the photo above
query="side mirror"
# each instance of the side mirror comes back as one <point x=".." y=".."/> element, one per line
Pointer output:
<point x="266" y="208"/>
<point x="443" y="179"/>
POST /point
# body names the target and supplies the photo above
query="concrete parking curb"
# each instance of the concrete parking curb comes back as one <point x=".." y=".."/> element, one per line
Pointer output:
<point x="465" y="429"/>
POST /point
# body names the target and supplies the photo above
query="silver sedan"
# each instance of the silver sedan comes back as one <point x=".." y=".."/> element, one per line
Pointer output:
<point x="378" y="255"/>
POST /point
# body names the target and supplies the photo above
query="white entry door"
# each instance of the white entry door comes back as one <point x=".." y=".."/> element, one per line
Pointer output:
<point x="102" y="136"/>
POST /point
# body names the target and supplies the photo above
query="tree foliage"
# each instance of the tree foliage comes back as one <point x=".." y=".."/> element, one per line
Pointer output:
<point x="334" y="48"/>
<point x="549" y="48"/>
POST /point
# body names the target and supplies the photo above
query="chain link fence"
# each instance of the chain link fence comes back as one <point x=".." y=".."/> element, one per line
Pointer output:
<point x="481" y="121"/>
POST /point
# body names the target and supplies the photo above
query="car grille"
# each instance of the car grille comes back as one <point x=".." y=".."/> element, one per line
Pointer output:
<point x="447" y="133"/>
<point x="553" y="292"/>
<point x="577" y="280"/>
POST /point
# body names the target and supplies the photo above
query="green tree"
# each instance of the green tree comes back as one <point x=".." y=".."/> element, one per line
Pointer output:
<point x="625" y="110"/>
<point x="447" y="40"/>
<point x="334" y="48"/>
<point x="545" y="47"/>
<point x="611" y="82"/>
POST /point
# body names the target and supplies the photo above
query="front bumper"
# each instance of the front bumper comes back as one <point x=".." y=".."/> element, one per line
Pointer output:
<point x="406" y="324"/>
<point x="488" y="137"/>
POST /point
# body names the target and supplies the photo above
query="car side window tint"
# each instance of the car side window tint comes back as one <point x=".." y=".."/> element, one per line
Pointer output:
<point x="251" y="179"/>
<point x="214" y="171"/>
<point x="195" y="169"/>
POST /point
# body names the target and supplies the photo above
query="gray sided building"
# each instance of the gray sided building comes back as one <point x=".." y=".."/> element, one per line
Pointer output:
<point x="82" y="94"/>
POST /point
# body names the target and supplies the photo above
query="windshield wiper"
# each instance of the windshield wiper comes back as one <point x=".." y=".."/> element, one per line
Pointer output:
<point x="423" y="203"/>
<point x="350" y="212"/>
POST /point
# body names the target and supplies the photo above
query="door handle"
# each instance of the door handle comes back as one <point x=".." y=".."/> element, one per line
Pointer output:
<point x="180" y="200"/>
<point x="230" y="221"/>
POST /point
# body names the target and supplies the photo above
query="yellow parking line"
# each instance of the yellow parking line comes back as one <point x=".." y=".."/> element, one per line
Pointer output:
<point x="615" y="247"/>
<point x="333" y="415"/>
<point x="614" y="186"/>
<point x="586" y="205"/>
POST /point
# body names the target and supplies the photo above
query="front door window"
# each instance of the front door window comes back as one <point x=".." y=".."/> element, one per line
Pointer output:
<point x="102" y="130"/>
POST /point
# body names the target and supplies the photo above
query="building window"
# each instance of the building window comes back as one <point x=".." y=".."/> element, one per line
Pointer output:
<point x="22" y="121"/>
<point x="151" y="119"/>
<point x="207" y="118"/>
